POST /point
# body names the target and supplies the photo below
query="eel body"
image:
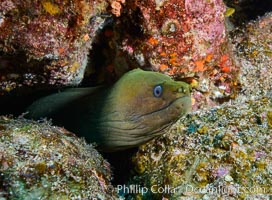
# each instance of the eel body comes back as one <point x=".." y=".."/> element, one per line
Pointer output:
<point x="138" y="107"/>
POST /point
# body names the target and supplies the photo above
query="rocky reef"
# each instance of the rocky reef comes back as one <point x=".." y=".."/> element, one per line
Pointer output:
<point x="253" y="51"/>
<point x="184" y="39"/>
<point x="223" y="152"/>
<point x="46" y="42"/>
<point x="53" y="41"/>
<point x="40" y="161"/>
<point x="176" y="35"/>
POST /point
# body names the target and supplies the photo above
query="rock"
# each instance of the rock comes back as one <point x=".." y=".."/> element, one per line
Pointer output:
<point x="173" y="37"/>
<point x="184" y="39"/>
<point x="254" y="55"/>
<point x="227" y="147"/>
<point x="38" y="160"/>
<point x="46" y="42"/>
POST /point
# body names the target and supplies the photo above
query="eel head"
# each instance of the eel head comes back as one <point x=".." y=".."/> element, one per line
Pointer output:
<point x="140" y="106"/>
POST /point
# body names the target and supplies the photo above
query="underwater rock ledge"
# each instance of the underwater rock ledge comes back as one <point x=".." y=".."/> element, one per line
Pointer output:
<point x="40" y="161"/>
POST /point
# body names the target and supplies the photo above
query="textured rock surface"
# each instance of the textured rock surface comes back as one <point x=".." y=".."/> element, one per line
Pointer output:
<point x="46" y="42"/>
<point x="224" y="151"/>
<point x="40" y="161"/>
<point x="254" y="54"/>
<point x="50" y="40"/>
<point x="177" y="34"/>
<point x="185" y="39"/>
<point x="228" y="147"/>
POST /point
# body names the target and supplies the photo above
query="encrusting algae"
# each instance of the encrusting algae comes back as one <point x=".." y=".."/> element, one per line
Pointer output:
<point x="41" y="40"/>
<point x="227" y="148"/>
<point x="269" y="118"/>
<point x="51" y="8"/>
<point x="40" y="161"/>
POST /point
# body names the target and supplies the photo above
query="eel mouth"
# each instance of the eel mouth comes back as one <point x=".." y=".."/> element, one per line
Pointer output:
<point x="156" y="123"/>
<point x="181" y="103"/>
<point x="146" y="126"/>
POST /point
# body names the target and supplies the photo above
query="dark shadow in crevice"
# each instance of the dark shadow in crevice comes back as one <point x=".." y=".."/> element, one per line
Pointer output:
<point x="247" y="10"/>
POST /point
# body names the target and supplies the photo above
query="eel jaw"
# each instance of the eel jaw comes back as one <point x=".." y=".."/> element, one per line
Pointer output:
<point x="138" y="130"/>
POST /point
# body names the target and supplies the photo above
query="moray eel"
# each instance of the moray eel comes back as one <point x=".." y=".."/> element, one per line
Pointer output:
<point x="138" y="107"/>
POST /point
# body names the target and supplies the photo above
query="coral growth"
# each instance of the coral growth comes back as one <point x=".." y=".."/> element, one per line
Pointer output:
<point x="39" y="161"/>
<point x="46" y="42"/>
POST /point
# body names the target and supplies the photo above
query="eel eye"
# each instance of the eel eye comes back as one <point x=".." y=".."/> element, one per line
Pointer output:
<point x="157" y="91"/>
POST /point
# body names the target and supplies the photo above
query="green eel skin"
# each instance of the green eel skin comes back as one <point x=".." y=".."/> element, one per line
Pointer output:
<point x="138" y="107"/>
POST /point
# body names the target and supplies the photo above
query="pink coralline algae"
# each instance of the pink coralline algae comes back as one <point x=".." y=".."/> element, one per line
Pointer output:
<point x="220" y="172"/>
<point x="49" y="39"/>
<point x="183" y="39"/>
<point x="207" y="27"/>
